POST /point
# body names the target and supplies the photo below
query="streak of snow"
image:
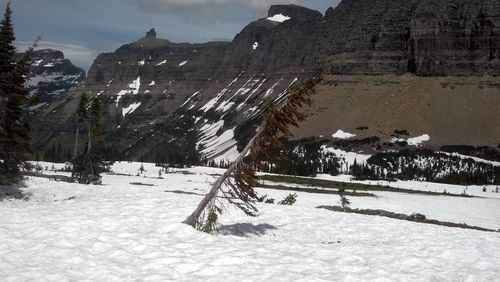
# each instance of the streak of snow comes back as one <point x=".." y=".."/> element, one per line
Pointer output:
<point x="183" y="63"/>
<point x="190" y="98"/>
<point x="141" y="62"/>
<point x="130" y="109"/>
<point x="251" y="94"/>
<point x="282" y="95"/>
<point x="219" y="144"/>
<point x="152" y="83"/>
<point x="270" y="90"/>
<point x="255" y="45"/>
<point x="210" y="104"/>
<point x="162" y="63"/>
<point x="225" y="106"/>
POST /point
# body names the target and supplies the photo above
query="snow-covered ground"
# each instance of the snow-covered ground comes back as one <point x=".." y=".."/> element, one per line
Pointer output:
<point x="121" y="231"/>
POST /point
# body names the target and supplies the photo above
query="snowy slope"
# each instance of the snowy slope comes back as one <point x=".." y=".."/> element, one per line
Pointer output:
<point x="127" y="232"/>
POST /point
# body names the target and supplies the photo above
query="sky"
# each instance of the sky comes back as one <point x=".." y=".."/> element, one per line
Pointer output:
<point x="84" y="28"/>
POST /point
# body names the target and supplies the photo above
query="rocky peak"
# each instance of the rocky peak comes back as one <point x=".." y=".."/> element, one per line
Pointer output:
<point x="295" y="12"/>
<point x="47" y="54"/>
<point x="151" y="33"/>
<point x="52" y="74"/>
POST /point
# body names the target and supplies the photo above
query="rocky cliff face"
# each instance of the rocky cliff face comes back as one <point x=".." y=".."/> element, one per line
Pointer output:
<point x="428" y="38"/>
<point x="154" y="91"/>
<point x="51" y="74"/>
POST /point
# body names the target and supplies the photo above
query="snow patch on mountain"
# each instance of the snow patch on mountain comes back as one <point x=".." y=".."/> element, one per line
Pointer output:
<point x="279" y="18"/>
<point x="130" y="109"/>
<point x="183" y="63"/>
<point x="225" y="106"/>
<point x="349" y="157"/>
<point x="162" y="63"/>
<point x="255" y="45"/>
<point x="215" y="145"/>
<point x="36" y="63"/>
<point x="340" y="134"/>
<point x="416" y="141"/>
<point x="133" y="88"/>
<point x="218" y="145"/>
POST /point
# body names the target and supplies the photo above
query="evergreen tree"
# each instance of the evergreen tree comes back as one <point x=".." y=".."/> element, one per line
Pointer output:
<point x="81" y="116"/>
<point x="14" y="122"/>
<point x="88" y="164"/>
<point x="7" y="38"/>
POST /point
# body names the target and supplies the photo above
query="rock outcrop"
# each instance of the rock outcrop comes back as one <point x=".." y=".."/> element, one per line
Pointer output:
<point x="51" y="74"/>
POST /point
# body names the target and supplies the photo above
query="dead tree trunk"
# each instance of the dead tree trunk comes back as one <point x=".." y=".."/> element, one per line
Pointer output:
<point x="211" y="196"/>
<point x="75" y="152"/>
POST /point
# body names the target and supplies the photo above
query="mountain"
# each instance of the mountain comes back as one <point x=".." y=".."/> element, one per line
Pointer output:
<point x="52" y="74"/>
<point x="397" y="73"/>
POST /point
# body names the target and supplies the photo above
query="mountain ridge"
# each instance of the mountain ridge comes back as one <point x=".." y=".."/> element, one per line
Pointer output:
<point x="221" y="85"/>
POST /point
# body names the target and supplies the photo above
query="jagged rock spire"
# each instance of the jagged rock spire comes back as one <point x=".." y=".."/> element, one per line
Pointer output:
<point x="151" y="33"/>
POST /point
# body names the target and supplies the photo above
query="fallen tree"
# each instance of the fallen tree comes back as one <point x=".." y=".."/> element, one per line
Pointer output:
<point x="416" y="217"/>
<point x="236" y="184"/>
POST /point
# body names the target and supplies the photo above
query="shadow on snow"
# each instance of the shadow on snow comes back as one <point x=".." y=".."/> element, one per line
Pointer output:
<point x="245" y="229"/>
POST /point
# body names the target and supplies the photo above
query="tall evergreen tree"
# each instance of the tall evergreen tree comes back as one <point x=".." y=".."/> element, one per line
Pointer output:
<point x="14" y="124"/>
<point x="88" y="164"/>
<point x="81" y="116"/>
<point x="7" y="38"/>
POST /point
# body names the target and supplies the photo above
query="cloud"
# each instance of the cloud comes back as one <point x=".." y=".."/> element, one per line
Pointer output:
<point x="79" y="55"/>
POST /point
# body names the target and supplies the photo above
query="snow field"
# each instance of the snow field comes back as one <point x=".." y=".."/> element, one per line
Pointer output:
<point x="125" y="232"/>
